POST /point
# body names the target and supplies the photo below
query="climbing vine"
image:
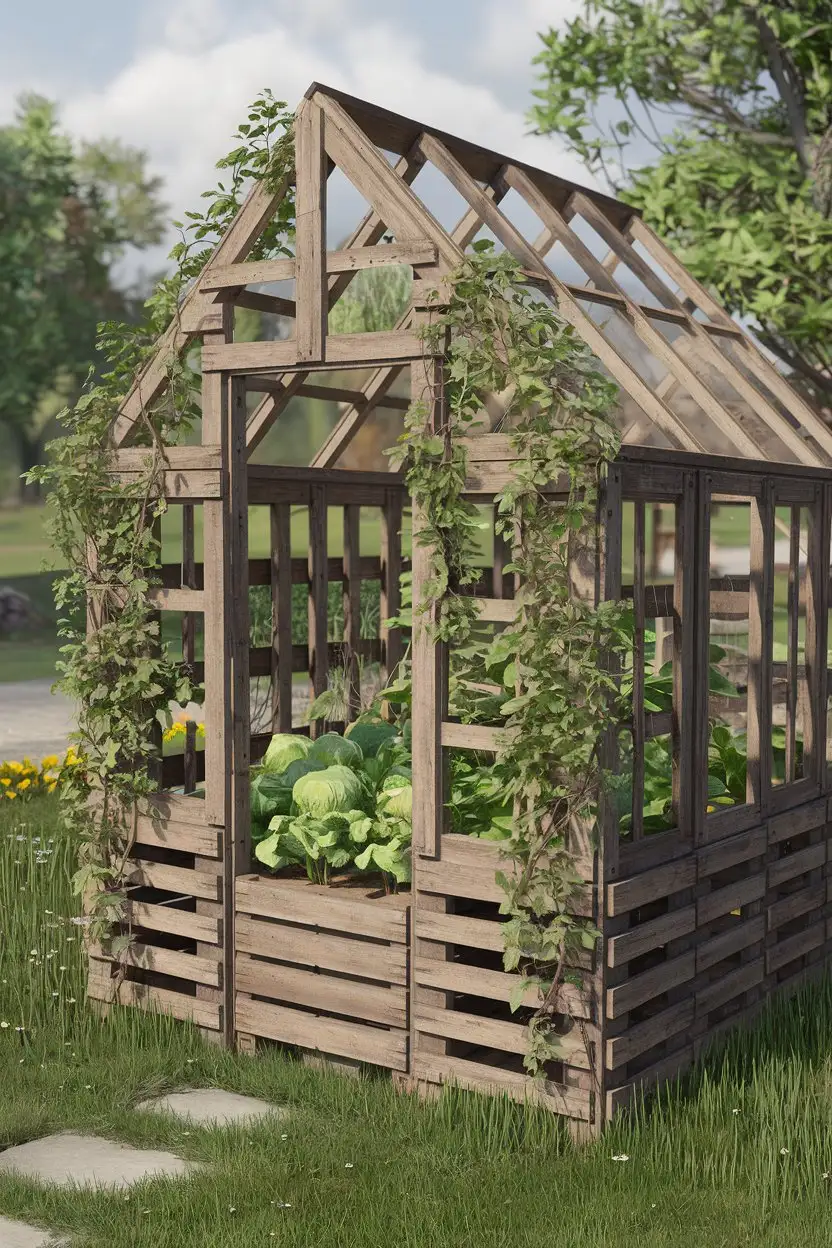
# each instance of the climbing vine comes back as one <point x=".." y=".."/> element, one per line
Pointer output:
<point x="107" y="531"/>
<point x="546" y="680"/>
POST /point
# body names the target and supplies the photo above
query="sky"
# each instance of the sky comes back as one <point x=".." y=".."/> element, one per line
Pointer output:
<point x="174" y="76"/>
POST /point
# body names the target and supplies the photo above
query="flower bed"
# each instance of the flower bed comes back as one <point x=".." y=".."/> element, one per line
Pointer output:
<point x="27" y="779"/>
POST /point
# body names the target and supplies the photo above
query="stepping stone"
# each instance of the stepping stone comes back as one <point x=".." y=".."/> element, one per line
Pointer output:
<point x="213" y="1107"/>
<point x="20" y="1235"/>
<point x="68" y="1159"/>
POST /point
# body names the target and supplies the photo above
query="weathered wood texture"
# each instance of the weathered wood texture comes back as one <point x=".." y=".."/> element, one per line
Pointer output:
<point x="174" y="883"/>
<point x="324" y="969"/>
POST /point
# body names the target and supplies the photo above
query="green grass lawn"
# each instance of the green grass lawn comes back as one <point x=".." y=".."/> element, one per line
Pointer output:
<point x="362" y="1166"/>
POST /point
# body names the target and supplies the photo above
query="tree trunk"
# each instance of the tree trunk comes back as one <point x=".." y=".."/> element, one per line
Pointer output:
<point x="29" y="455"/>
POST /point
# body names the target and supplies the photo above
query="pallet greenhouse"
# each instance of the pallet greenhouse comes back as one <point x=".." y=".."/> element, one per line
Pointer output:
<point x="714" y="524"/>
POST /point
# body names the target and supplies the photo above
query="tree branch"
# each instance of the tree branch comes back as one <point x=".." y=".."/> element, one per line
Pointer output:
<point x="820" y="379"/>
<point x="789" y="84"/>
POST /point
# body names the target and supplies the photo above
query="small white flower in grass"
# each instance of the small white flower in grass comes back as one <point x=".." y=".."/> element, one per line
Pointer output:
<point x="284" y="1136"/>
<point x="784" y="1152"/>
<point x="735" y="1111"/>
<point x="186" y="1133"/>
<point x="348" y="1165"/>
<point x="71" y="1001"/>
<point x="621" y="1157"/>
<point x="232" y="1208"/>
<point x="4" y="1024"/>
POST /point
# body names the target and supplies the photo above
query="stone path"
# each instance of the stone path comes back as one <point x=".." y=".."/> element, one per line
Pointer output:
<point x="19" y="1235"/>
<point x="70" y="1159"/>
<point x="213" y="1107"/>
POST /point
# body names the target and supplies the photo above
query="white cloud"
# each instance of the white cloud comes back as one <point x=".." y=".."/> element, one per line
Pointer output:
<point x="510" y="32"/>
<point x="182" y="102"/>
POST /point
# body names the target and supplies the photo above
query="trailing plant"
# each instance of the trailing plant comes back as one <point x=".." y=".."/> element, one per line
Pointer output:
<point x="555" y="688"/>
<point x="107" y="531"/>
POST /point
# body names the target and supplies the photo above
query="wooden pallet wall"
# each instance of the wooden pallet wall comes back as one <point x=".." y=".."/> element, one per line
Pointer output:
<point x="323" y="969"/>
<point x="174" y="915"/>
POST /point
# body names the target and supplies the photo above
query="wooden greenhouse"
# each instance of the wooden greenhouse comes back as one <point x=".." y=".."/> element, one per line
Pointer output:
<point x="715" y="523"/>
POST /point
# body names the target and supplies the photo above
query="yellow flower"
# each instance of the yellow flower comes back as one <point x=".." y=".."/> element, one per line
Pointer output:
<point x="51" y="760"/>
<point x="16" y="768"/>
<point x="10" y="793"/>
<point x="5" y="781"/>
<point x="52" y="784"/>
<point x="24" y="784"/>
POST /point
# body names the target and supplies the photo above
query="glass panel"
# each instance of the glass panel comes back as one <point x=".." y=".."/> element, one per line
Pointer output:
<point x="729" y="572"/>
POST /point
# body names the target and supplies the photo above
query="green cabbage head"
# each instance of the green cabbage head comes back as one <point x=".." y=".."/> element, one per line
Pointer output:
<point x="271" y="792"/>
<point x="396" y="798"/>
<point x="321" y="792"/>
<point x="370" y="735"/>
<point x="285" y="748"/>
<point x="332" y="749"/>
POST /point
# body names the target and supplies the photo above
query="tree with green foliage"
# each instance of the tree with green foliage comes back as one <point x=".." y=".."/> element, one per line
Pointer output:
<point x="714" y="118"/>
<point x="67" y="214"/>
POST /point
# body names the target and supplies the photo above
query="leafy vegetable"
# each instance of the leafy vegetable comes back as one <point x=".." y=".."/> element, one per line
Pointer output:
<point x="285" y="748"/>
<point x="335" y="789"/>
<point x="370" y="735"/>
<point x="271" y="792"/>
<point x="332" y="749"/>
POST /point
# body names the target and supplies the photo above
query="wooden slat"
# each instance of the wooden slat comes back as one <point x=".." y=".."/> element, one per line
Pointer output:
<point x="742" y="934"/>
<point x="376" y="1045"/>
<point x="428" y="657"/>
<point x="792" y="643"/>
<point x="324" y="908"/>
<point x="490" y="1033"/>
<point x="176" y="922"/>
<point x="654" y="934"/>
<point x="734" y="984"/>
<point x="472" y="737"/>
<point x="187" y="966"/>
<point x="793" y="947"/>
<point x="638" y="671"/>
<point x="333" y="994"/>
<point x="184" y="837"/>
<point x="310" y="232"/>
<point x="157" y="1000"/>
<point x="480" y="1077"/>
<point x="351" y="598"/>
<point x="415" y="252"/>
<point x="638" y="890"/>
<point x="326" y="952"/>
<point x="653" y="983"/>
<point x="784" y="869"/>
<point x="186" y="459"/>
<point x="280" y="658"/>
<point x="476" y="981"/>
<point x="497" y="610"/>
<point x="640" y="1037"/>
<point x="390" y="575"/>
<point x="318" y="599"/>
<point x="732" y="897"/>
<point x="796" y="904"/>
<point x="176" y="599"/>
<point x="142" y="873"/>
<point x="458" y="929"/>
<point x="178" y="486"/>
<point x="342" y="351"/>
